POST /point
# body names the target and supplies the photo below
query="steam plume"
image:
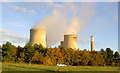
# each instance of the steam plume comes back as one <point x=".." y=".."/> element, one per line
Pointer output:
<point x="67" y="19"/>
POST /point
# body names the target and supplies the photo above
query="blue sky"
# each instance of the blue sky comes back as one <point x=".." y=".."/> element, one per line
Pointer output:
<point x="84" y="19"/>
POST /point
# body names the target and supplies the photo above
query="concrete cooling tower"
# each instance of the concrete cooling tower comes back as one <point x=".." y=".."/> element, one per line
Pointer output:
<point x="38" y="36"/>
<point x="70" y="41"/>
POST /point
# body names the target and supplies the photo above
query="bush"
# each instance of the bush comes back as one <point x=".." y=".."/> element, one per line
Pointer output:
<point x="51" y="56"/>
<point x="92" y="63"/>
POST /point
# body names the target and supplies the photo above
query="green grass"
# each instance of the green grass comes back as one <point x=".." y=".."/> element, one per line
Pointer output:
<point x="6" y="66"/>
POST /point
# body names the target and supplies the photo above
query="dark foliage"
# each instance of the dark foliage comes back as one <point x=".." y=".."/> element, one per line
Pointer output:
<point x="37" y="54"/>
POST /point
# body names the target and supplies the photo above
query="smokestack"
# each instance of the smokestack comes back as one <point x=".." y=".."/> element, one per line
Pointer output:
<point x="92" y="43"/>
<point x="70" y="41"/>
<point x="38" y="36"/>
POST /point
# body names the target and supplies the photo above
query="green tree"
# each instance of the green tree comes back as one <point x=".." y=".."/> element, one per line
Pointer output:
<point x="109" y="59"/>
<point x="28" y="51"/>
<point x="19" y="54"/>
<point x="116" y="55"/>
<point x="98" y="58"/>
<point x="37" y="58"/>
<point x="8" y="52"/>
<point x="103" y="53"/>
<point x="38" y="47"/>
<point x="92" y="62"/>
<point x="109" y="53"/>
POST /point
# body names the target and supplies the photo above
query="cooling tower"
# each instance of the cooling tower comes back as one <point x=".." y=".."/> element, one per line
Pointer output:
<point x="62" y="43"/>
<point x="38" y="36"/>
<point x="70" y="41"/>
<point x="92" y="43"/>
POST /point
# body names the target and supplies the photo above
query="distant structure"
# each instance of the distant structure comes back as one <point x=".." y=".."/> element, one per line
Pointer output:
<point x="92" y="43"/>
<point x="70" y="41"/>
<point x="38" y="36"/>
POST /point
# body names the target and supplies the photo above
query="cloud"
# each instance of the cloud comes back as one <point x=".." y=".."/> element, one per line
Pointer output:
<point x="65" y="18"/>
<point x="53" y="5"/>
<point x="74" y="26"/>
<point x="8" y="35"/>
<point x="55" y="26"/>
<point x="22" y="9"/>
<point x="18" y="8"/>
<point x="68" y="18"/>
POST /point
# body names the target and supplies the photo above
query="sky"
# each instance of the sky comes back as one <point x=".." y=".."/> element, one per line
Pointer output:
<point x="86" y="19"/>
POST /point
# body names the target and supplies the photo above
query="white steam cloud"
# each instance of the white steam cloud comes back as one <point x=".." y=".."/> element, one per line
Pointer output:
<point x="69" y="18"/>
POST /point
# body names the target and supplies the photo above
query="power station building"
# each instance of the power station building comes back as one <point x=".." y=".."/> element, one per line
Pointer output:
<point x="70" y="41"/>
<point x="38" y="36"/>
<point x="92" y="43"/>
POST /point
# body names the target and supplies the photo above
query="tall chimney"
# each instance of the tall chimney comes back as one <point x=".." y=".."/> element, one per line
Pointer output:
<point x="92" y="43"/>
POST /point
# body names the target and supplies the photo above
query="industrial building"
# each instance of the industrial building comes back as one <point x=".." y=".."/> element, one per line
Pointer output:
<point x="38" y="36"/>
<point x="92" y="43"/>
<point x="70" y="41"/>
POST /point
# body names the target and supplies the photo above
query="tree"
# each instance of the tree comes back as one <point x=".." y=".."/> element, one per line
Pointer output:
<point x="109" y="53"/>
<point x="19" y="54"/>
<point x="92" y="62"/>
<point x="109" y="59"/>
<point x="116" y="55"/>
<point x="37" y="54"/>
<point x="82" y="58"/>
<point x="8" y="52"/>
<point x="28" y="51"/>
<point x="98" y="58"/>
<point x="47" y="61"/>
<point x="103" y="53"/>
<point x="38" y="47"/>
<point x="37" y="58"/>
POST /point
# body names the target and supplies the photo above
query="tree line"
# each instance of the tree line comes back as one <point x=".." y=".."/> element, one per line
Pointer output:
<point x="37" y="54"/>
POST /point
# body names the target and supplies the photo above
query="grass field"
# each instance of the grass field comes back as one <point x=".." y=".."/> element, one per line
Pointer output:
<point x="6" y="66"/>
